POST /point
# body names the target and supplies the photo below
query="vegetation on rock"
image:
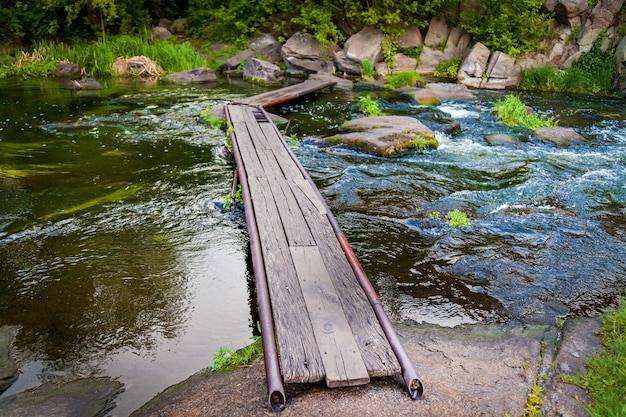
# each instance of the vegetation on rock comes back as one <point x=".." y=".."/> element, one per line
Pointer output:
<point x="513" y="112"/>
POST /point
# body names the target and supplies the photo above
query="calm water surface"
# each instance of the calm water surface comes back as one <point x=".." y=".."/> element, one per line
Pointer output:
<point x="116" y="259"/>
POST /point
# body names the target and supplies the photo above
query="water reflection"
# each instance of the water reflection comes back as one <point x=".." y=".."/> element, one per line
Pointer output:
<point x="114" y="259"/>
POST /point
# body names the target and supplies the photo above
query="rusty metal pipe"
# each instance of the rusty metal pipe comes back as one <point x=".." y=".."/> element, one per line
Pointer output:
<point x="412" y="380"/>
<point x="276" y="392"/>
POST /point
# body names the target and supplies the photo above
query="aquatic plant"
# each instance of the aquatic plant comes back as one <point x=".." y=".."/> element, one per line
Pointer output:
<point x="225" y="358"/>
<point x="369" y="106"/>
<point x="513" y="112"/>
<point x="457" y="218"/>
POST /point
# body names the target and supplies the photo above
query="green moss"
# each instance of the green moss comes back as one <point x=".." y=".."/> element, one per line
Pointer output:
<point x="260" y="81"/>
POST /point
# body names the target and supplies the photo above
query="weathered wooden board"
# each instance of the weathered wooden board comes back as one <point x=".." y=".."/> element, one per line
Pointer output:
<point x="325" y="327"/>
<point x="282" y="95"/>
<point x="375" y="349"/>
<point x="299" y="356"/>
<point x="340" y="354"/>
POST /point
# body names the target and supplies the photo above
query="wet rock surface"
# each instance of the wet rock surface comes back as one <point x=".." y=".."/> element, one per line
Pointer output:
<point x="92" y="397"/>
<point x="386" y="136"/>
<point x="477" y="370"/>
<point x="197" y="75"/>
<point x="8" y="367"/>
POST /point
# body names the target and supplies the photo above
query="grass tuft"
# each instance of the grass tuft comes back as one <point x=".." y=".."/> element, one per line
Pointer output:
<point x="513" y="112"/>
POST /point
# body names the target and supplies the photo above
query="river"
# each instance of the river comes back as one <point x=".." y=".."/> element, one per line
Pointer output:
<point x="116" y="258"/>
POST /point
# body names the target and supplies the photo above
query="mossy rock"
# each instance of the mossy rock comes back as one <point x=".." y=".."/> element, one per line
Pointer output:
<point x="387" y="136"/>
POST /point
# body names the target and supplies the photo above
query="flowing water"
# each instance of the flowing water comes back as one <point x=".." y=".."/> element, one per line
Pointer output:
<point x="116" y="258"/>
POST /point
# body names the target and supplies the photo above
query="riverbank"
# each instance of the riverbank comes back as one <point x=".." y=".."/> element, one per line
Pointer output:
<point x="470" y="371"/>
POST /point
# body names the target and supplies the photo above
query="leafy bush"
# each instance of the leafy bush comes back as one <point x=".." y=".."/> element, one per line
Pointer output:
<point x="403" y="79"/>
<point x="448" y="69"/>
<point x="513" y="27"/>
<point x="513" y="112"/>
<point x="593" y="73"/>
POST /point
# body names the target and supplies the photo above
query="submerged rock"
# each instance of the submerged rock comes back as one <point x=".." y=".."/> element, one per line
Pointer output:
<point x="8" y="367"/>
<point x="386" y="136"/>
<point x="434" y="93"/>
<point x="501" y="139"/>
<point x="81" y="398"/>
<point x="197" y="75"/>
<point x="559" y="136"/>
<point x="82" y="84"/>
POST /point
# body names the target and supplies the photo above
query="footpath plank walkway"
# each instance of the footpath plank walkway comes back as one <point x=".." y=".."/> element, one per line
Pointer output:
<point x="282" y="95"/>
<point x="326" y="322"/>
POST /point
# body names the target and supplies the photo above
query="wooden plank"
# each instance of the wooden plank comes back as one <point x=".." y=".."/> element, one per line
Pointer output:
<point x="281" y="95"/>
<point x="296" y="228"/>
<point x="309" y="192"/>
<point x="278" y="146"/>
<point x="340" y="354"/>
<point x="236" y="113"/>
<point x="300" y="360"/>
<point x="373" y="344"/>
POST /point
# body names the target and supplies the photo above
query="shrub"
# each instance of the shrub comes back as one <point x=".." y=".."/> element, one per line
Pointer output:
<point x="448" y="69"/>
<point x="513" y="112"/>
<point x="513" y="27"/>
<point x="403" y="79"/>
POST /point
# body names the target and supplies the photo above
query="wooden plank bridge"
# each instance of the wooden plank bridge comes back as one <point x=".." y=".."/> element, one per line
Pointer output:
<point x="326" y="324"/>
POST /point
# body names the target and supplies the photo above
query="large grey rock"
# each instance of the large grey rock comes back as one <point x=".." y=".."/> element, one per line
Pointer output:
<point x="569" y="12"/>
<point x="430" y="59"/>
<point x="266" y="45"/>
<point x="303" y="46"/>
<point x="160" y="33"/>
<point x="366" y="45"/>
<point x="302" y="53"/>
<point x="386" y="136"/>
<point x="404" y="63"/>
<point x="620" y="58"/>
<point x="82" y="84"/>
<point x="458" y="43"/>
<point x="345" y="64"/>
<point x="262" y="72"/>
<point x="194" y="76"/>
<point x="67" y="70"/>
<point x="8" y="367"/>
<point x="178" y="26"/>
<point x="410" y="38"/>
<point x="236" y="60"/>
<point x="473" y="67"/>
<point x="438" y="32"/>
<point x="501" y="72"/>
<point x="579" y="342"/>
<point x="82" y="398"/>
<point x="559" y="136"/>
<point x="599" y="20"/>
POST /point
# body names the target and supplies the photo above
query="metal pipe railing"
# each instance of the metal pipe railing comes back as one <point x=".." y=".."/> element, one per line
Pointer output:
<point x="276" y="392"/>
<point x="412" y="380"/>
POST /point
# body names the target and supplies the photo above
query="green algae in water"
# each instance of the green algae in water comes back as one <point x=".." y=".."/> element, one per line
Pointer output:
<point x="8" y="172"/>
<point x="113" y="197"/>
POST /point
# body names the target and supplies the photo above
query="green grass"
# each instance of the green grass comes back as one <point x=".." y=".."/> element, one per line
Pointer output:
<point x="367" y="70"/>
<point x="96" y="58"/>
<point x="403" y="79"/>
<point x="513" y="112"/>
<point x="448" y="69"/>
<point x="225" y="359"/>
<point x="605" y="379"/>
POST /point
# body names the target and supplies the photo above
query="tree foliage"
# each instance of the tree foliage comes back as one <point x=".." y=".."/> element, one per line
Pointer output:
<point x="513" y="27"/>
